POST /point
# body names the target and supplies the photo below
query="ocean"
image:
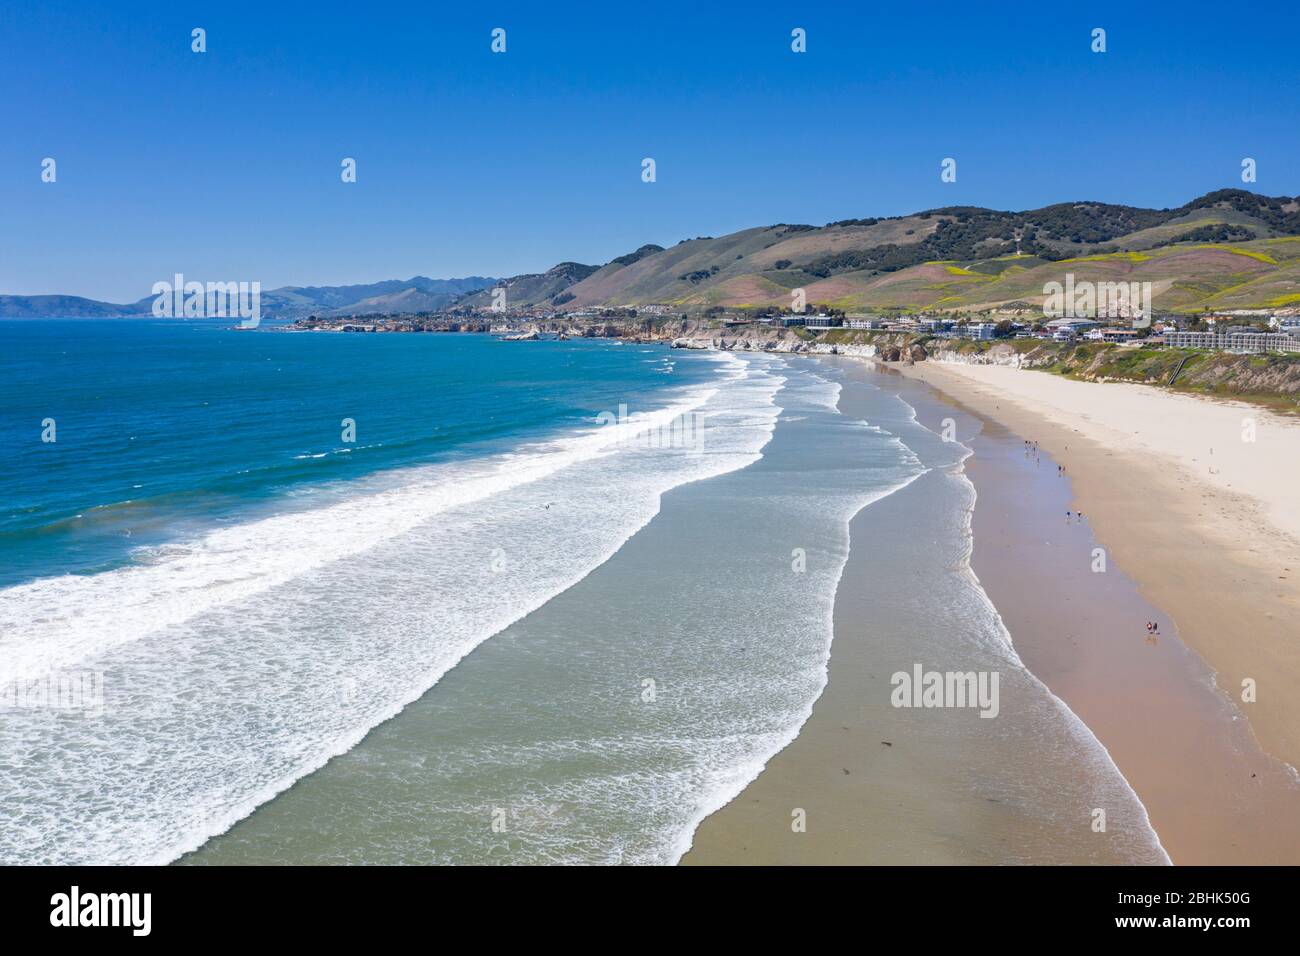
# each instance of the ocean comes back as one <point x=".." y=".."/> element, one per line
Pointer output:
<point x="350" y="598"/>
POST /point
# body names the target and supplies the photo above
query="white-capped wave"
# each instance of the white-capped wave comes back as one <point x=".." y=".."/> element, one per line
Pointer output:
<point x="236" y="663"/>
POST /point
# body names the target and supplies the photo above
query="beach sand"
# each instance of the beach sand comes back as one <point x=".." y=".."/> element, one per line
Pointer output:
<point x="1212" y="794"/>
<point x="1206" y="523"/>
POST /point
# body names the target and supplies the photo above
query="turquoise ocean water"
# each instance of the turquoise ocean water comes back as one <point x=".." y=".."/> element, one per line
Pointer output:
<point x="553" y="602"/>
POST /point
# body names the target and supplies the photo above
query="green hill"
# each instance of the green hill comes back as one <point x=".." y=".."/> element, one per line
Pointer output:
<point x="417" y="294"/>
<point x="1227" y="249"/>
<point x="548" y="286"/>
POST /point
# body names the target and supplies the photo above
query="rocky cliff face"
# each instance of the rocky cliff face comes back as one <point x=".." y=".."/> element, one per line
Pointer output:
<point x="1259" y="377"/>
<point x="698" y="335"/>
<point x="751" y="342"/>
<point x="1000" y="354"/>
<point x="887" y="348"/>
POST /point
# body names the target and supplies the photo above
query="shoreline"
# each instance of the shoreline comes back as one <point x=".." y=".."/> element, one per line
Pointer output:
<point x="1206" y="524"/>
<point x="884" y="785"/>
<point x="1212" y="794"/>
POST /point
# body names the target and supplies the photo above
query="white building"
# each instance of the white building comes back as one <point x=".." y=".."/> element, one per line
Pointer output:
<point x="979" y="331"/>
<point x="1236" y="340"/>
<point x="1077" y="325"/>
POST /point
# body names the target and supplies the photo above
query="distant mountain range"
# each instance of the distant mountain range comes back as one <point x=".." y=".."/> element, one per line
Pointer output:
<point x="1226" y="249"/>
<point x="417" y="294"/>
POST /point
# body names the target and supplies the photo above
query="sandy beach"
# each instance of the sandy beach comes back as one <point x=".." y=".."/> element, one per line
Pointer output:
<point x="1207" y="556"/>
<point x="1206" y="521"/>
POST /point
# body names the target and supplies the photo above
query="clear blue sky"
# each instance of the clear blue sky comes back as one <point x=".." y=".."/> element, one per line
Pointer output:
<point x="225" y="165"/>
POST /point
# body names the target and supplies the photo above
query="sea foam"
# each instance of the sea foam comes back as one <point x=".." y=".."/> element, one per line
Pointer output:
<point x="240" y="661"/>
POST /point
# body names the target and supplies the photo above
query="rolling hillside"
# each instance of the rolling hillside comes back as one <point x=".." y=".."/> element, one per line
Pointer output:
<point x="417" y="294"/>
<point x="546" y="286"/>
<point x="67" y="306"/>
<point x="1227" y="249"/>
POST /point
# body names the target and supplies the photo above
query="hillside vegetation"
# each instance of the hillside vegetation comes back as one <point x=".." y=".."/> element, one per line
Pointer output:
<point x="416" y="294"/>
<point x="1227" y="249"/>
<point x="1271" y="379"/>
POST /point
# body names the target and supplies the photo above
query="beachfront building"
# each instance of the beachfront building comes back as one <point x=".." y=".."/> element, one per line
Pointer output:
<point x="824" y="322"/>
<point x="791" y="320"/>
<point x="901" y="324"/>
<point x="1078" y="326"/>
<point x="864" y="322"/>
<point x="1113" y="335"/>
<point x="1194" y="340"/>
<point x="935" y="325"/>
<point x="979" y="331"/>
<point x="1237" y="340"/>
<point x="1067" y="330"/>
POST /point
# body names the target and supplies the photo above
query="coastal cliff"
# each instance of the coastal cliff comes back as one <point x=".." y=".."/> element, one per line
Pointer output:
<point x="1272" y="379"/>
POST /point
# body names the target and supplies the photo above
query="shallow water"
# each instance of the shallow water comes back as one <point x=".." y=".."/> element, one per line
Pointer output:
<point x="565" y="643"/>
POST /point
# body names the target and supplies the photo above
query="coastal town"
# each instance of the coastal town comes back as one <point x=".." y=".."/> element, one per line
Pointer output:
<point x="1239" y="331"/>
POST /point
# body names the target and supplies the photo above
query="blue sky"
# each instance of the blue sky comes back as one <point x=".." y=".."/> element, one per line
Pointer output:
<point x="225" y="165"/>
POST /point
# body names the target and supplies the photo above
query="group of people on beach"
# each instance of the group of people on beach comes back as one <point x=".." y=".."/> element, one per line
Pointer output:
<point x="1031" y="448"/>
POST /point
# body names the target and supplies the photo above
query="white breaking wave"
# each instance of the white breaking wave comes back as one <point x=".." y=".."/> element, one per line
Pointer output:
<point x="237" y="663"/>
<point x="837" y="505"/>
<point x="55" y="623"/>
<point x="996" y="631"/>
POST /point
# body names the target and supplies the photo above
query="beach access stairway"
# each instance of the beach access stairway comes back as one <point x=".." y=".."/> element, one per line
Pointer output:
<point x="1173" y="378"/>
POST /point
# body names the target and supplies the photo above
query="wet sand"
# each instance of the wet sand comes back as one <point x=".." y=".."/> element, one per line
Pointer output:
<point x="1211" y="793"/>
<point x="1207" y="524"/>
